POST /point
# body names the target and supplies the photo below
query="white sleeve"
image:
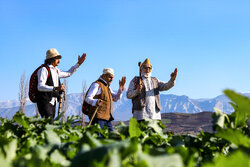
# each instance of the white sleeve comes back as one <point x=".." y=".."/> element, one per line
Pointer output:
<point x="65" y="74"/>
<point x="93" y="90"/>
<point x="116" y="96"/>
<point x="42" y="75"/>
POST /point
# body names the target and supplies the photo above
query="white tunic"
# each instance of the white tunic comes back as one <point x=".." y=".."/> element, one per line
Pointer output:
<point x="149" y="111"/>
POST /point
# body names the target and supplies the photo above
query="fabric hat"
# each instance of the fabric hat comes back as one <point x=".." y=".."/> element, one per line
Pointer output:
<point x="146" y="62"/>
<point x="108" y="71"/>
<point x="51" y="53"/>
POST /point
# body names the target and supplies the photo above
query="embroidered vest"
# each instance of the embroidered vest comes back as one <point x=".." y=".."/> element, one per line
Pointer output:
<point x="139" y="102"/>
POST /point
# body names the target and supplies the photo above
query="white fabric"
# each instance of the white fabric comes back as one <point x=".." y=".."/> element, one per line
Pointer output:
<point x="149" y="111"/>
<point x="96" y="90"/>
<point x="42" y="75"/>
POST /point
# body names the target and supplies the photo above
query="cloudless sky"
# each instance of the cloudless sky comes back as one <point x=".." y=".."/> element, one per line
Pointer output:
<point x="208" y="41"/>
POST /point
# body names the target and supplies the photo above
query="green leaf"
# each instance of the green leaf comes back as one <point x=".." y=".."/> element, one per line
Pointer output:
<point x="242" y="111"/>
<point x="21" y="119"/>
<point x="99" y="154"/>
<point x="58" y="158"/>
<point x="219" y="118"/>
<point x="162" y="160"/>
<point x="234" y="136"/>
<point x="41" y="151"/>
<point x="10" y="149"/>
<point x="4" y="162"/>
<point x="154" y="124"/>
<point x="114" y="159"/>
<point x="236" y="159"/>
<point x="134" y="129"/>
<point x="122" y="129"/>
<point x="177" y="141"/>
<point x="93" y="142"/>
<point x="52" y="138"/>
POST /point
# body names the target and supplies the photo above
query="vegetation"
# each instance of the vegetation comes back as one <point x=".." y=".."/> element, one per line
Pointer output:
<point x="29" y="141"/>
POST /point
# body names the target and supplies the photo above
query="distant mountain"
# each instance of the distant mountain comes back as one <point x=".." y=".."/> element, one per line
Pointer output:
<point x="122" y="109"/>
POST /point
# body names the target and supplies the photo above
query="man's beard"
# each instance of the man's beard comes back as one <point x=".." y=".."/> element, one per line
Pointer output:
<point x="146" y="75"/>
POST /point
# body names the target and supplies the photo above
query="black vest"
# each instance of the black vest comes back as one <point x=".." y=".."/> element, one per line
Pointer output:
<point x="45" y="97"/>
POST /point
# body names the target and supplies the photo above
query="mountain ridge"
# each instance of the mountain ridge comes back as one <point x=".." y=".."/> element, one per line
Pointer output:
<point x="122" y="109"/>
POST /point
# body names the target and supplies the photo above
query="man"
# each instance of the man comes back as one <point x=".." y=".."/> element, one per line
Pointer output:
<point x="144" y="92"/>
<point x="100" y="97"/>
<point x="49" y="84"/>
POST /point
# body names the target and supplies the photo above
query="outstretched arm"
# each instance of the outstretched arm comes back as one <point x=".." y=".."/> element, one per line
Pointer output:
<point x="117" y="96"/>
<point x="167" y="85"/>
<point x="65" y="74"/>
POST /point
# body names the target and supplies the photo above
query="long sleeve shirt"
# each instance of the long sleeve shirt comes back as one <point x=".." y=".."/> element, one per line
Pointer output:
<point x="149" y="111"/>
<point x="56" y="74"/>
<point x="96" y="90"/>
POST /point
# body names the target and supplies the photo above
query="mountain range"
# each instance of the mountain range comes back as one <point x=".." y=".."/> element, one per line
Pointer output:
<point x="122" y="109"/>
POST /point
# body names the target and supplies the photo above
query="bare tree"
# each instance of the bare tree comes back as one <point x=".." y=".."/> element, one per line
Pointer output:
<point x="81" y="114"/>
<point x="65" y="100"/>
<point x="23" y="92"/>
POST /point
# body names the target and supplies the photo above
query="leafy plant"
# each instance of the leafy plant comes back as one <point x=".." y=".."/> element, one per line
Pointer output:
<point x="29" y="141"/>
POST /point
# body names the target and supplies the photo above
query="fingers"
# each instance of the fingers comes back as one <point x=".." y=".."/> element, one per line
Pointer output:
<point x="83" y="57"/>
<point x="139" y="87"/>
<point x="99" y="102"/>
<point x="174" y="74"/>
<point x="124" y="79"/>
<point x="62" y="87"/>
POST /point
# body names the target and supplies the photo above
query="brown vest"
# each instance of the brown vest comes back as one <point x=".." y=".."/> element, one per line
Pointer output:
<point x="105" y="110"/>
<point x="140" y="101"/>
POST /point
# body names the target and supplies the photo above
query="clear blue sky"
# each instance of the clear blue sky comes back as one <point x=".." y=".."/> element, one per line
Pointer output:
<point x="208" y="41"/>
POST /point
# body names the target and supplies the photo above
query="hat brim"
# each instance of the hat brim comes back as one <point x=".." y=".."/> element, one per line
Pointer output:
<point x="58" y="57"/>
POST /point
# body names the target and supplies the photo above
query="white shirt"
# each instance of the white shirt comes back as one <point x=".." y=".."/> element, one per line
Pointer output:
<point x="149" y="111"/>
<point x="95" y="89"/>
<point x="42" y="75"/>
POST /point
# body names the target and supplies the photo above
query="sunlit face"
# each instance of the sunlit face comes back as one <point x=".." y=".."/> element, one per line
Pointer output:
<point x="56" y="62"/>
<point x="108" y="78"/>
<point x="146" y="68"/>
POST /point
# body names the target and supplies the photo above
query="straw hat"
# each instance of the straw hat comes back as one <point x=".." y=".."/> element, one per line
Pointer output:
<point x="51" y="53"/>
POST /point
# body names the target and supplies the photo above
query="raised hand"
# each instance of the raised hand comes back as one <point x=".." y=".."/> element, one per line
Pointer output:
<point x="139" y="87"/>
<point x="174" y="75"/>
<point x="81" y="59"/>
<point x="122" y="83"/>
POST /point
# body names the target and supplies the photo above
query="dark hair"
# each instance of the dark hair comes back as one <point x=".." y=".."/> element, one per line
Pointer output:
<point x="49" y="61"/>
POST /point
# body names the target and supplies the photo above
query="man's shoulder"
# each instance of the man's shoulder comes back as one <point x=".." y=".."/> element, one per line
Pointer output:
<point x="136" y="78"/>
<point x="154" y="79"/>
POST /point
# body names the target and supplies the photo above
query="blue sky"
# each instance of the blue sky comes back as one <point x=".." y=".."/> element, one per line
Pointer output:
<point x="208" y="41"/>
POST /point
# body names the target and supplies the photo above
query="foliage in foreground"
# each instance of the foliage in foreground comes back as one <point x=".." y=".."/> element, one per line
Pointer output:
<point x="29" y="141"/>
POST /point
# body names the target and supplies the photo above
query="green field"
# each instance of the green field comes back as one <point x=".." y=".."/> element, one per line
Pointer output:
<point x="29" y="141"/>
